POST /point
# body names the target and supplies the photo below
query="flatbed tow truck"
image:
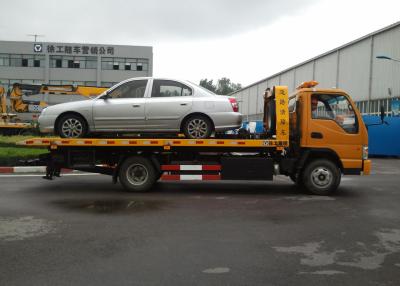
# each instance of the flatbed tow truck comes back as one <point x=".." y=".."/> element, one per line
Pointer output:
<point x="314" y="136"/>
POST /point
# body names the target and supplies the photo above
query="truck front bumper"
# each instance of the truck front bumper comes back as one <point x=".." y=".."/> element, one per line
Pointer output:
<point x="366" y="167"/>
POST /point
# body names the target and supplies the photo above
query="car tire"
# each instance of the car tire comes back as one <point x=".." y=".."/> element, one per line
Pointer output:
<point x="72" y="126"/>
<point x="321" y="177"/>
<point x="197" y="127"/>
<point x="137" y="174"/>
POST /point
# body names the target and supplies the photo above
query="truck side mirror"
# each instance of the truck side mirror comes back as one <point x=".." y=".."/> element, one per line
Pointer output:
<point x="382" y="113"/>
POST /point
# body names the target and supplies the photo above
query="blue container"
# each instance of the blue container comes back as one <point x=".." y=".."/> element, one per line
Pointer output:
<point x="259" y="126"/>
<point x="384" y="140"/>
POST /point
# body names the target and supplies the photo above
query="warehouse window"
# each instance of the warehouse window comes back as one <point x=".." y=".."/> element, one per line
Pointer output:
<point x="4" y="59"/>
<point x="124" y="64"/>
<point x="73" y="62"/>
<point x="90" y="83"/>
<point x="14" y="60"/>
<point x="91" y="62"/>
<point x="76" y="64"/>
<point x="108" y="84"/>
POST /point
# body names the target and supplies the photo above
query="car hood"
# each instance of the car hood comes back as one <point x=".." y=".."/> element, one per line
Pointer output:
<point x="69" y="106"/>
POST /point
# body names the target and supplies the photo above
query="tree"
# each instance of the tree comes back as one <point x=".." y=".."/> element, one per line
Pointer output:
<point x="223" y="87"/>
<point x="208" y="84"/>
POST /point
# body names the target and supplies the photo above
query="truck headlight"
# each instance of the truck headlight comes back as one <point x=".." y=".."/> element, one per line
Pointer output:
<point x="365" y="152"/>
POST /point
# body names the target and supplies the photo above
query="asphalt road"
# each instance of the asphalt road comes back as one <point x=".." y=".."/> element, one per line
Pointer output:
<point x="82" y="230"/>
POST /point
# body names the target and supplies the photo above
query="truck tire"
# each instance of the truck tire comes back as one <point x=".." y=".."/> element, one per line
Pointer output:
<point x="137" y="174"/>
<point x="321" y="177"/>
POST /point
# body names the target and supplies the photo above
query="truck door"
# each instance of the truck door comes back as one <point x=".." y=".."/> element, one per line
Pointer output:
<point x="333" y="124"/>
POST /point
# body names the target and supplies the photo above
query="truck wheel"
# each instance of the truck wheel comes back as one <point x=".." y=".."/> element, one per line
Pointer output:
<point x="72" y="126"/>
<point x="137" y="174"/>
<point x="321" y="177"/>
<point x="197" y="127"/>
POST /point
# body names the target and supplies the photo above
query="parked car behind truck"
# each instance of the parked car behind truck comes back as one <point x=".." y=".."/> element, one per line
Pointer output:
<point x="145" y="105"/>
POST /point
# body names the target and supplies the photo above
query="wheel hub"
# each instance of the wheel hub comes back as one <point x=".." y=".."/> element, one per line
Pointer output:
<point x="197" y="128"/>
<point x="321" y="177"/>
<point x="72" y="128"/>
<point x="137" y="174"/>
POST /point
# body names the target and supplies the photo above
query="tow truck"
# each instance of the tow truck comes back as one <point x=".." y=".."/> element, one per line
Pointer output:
<point x="314" y="136"/>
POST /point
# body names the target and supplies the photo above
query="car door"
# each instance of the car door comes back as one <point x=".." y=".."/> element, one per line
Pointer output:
<point x="170" y="101"/>
<point x="121" y="109"/>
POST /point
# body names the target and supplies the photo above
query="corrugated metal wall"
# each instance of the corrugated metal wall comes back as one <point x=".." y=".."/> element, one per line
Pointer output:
<point x="352" y="67"/>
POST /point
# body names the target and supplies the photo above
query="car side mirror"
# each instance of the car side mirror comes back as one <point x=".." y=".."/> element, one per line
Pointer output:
<point x="105" y="96"/>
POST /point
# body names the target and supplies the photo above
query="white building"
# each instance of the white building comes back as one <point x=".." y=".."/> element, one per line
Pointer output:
<point x="353" y="67"/>
<point x="72" y="63"/>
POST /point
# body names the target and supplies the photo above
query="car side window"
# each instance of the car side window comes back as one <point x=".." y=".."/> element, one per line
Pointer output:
<point x="334" y="107"/>
<point x="130" y="89"/>
<point x="169" y="88"/>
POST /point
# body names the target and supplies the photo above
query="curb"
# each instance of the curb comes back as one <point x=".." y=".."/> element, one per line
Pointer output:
<point x="29" y="169"/>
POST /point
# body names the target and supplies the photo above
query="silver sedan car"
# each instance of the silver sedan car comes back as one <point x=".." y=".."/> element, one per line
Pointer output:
<point x="145" y="105"/>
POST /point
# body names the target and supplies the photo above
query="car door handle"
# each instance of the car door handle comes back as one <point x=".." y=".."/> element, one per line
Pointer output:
<point x="136" y="105"/>
<point x="317" y="135"/>
<point x="183" y="104"/>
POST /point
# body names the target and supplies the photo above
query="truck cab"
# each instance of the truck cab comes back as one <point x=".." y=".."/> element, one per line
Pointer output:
<point x="325" y="125"/>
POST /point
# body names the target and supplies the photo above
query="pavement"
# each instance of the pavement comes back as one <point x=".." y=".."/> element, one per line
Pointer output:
<point x="82" y="230"/>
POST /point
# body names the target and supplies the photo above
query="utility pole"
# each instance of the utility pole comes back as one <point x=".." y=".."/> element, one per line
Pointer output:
<point x="35" y="36"/>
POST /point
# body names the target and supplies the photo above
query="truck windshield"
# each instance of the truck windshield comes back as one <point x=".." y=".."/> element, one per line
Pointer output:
<point x="334" y="107"/>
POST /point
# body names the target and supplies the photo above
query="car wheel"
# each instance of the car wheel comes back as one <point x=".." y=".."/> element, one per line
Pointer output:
<point x="321" y="177"/>
<point x="137" y="174"/>
<point x="197" y="127"/>
<point x="72" y="126"/>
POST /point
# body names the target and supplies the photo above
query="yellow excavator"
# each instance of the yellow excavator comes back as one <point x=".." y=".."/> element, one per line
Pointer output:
<point x="21" y="105"/>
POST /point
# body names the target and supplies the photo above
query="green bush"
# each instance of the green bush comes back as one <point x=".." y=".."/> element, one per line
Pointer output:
<point x="11" y="154"/>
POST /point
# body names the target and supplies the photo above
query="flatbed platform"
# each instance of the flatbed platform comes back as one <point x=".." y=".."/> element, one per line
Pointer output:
<point x="166" y="144"/>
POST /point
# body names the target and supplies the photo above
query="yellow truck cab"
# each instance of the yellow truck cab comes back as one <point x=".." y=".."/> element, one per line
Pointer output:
<point x="327" y="127"/>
